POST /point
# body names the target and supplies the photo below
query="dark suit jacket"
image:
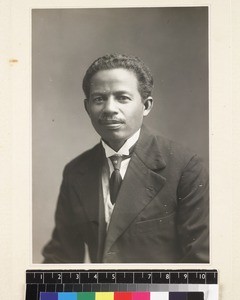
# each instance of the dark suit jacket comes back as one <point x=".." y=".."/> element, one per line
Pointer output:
<point x="161" y="214"/>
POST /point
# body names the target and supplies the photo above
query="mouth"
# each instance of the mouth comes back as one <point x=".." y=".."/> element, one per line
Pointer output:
<point x="111" y="124"/>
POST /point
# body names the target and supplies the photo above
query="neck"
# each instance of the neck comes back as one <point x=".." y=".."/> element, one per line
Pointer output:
<point x="126" y="144"/>
<point x="115" y="145"/>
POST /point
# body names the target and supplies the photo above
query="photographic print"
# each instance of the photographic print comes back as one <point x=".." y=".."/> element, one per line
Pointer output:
<point x="120" y="135"/>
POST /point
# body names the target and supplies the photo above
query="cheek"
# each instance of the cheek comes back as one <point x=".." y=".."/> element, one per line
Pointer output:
<point x="135" y="114"/>
<point x="94" y="113"/>
<point x="134" y="120"/>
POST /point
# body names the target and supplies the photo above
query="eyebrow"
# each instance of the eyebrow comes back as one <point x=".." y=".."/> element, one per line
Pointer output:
<point x="97" y="93"/>
<point x="123" y="92"/>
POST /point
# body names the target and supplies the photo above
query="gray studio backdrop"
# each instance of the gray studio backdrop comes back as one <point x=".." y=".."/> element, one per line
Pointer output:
<point x="173" y="42"/>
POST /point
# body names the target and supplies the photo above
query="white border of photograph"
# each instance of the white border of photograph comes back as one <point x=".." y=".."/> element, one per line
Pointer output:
<point x="15" y="161"/>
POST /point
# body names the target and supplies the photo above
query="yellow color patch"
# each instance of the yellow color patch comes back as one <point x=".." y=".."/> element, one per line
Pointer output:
<point x="104" y="296"/>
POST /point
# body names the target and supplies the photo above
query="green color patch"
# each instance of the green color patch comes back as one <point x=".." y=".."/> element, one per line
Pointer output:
<point x="86" y="296"/>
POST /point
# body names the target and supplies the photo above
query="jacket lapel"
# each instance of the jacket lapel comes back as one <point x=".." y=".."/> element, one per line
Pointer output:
<point x="88" y="187"/>
<point x="87" y="183"/>
<point x="141" y="183"/>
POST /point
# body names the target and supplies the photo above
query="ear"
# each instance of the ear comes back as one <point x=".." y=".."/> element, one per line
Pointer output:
<point x="86" y="103"/>
<point x="148" y="104"/>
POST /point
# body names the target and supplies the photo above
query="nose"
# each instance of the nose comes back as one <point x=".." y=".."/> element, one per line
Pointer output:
<point x="110" y="105"/>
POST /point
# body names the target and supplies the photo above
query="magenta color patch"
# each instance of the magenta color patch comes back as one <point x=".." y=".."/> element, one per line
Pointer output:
<point x="141" y="296"/>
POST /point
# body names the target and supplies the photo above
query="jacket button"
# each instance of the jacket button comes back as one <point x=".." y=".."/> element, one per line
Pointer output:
<point x="150" y="189"/>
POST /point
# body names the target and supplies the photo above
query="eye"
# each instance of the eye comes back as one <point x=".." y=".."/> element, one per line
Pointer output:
<point x="98" y="99"/>
<point x="123" y="98"/>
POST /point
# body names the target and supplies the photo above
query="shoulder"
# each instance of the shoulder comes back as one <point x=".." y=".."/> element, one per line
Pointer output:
<point x="170" y="151"/>
<point x="182" y="162"/>
<point x="180" y="157"/>
<point x="85" y="160"/>
<point x="174" y="156"/>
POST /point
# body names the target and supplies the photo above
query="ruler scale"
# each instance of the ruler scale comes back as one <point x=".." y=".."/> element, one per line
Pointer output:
<point x="75" y="283"/>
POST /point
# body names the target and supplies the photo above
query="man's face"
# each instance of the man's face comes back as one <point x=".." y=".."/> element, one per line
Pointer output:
<point x="115" y="106"/>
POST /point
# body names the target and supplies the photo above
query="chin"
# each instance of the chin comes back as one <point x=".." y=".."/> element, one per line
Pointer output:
<point x="115" y="137"/>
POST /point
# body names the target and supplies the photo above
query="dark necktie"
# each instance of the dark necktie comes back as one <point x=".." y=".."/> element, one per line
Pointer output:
<point x="116" y="178"/>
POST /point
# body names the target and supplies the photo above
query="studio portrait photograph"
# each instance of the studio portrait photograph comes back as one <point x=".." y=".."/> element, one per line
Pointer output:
<point x="120" y="135"/>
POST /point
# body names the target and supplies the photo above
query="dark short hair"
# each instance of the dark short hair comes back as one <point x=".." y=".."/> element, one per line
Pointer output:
<point x="117" y="61"/>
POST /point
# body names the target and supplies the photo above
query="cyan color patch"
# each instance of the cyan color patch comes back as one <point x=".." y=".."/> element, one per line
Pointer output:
<point x="67" y="296"/>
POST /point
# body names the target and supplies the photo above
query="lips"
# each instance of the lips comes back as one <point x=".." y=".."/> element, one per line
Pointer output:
<point x="110" y="122"/>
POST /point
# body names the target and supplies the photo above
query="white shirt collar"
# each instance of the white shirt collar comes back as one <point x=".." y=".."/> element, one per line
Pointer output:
<point x="124" y="150"/>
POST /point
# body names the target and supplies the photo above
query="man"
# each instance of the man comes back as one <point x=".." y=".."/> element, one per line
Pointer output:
<point x="135" y="197"/>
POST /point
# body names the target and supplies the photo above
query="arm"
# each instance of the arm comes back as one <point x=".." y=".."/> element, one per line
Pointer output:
<point x="65" y="245"/>
<point x="193" y="213"/>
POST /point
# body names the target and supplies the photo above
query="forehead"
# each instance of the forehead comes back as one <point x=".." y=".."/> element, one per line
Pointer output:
<point x="114" y="78"/>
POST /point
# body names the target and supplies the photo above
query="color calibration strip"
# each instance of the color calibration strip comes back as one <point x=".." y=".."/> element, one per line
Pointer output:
<point x="123" y="296"/>
<point x="121" y="284"/>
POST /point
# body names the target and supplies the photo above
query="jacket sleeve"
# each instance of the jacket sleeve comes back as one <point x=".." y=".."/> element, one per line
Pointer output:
<point x="193" y="212"/>
<point x="65" y="246"/>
